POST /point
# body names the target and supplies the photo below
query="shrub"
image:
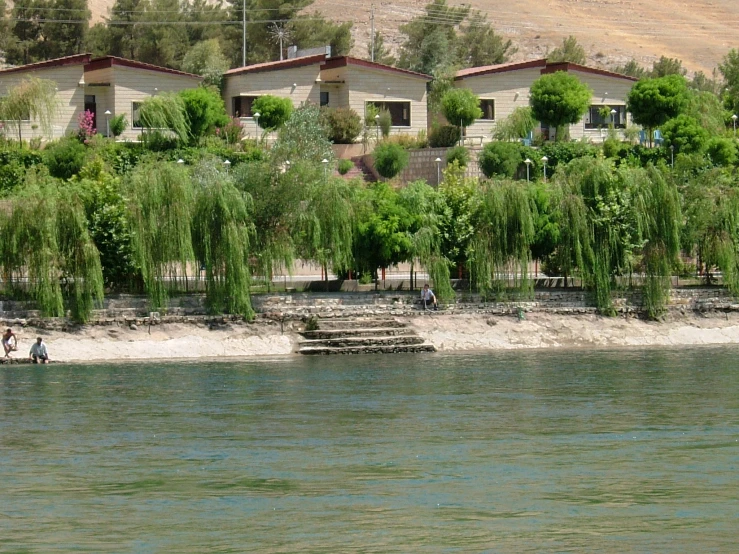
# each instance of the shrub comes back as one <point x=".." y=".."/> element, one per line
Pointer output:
<point x="461" y="106"/>
<point x="385" y="122"/>
<point x="444" y="136"/>
<point x="118" y="124"/>
<point x="205" y="111"/>
<point x="500" y="158"/>
<point x="273" y="111"/>
<point x="85" y="122"/>
<point x="722" y="151"/>
<point x="342" y="125"/>
<point x="564" y="152"/>
<point x="685" y="134"/>
<point x="232" y="132"/>
<point x="458" y="154"/>
<point x="406" y="141"/>
<point x="345" y="166"/>
<point x="13" y="165"/>
<point x="390" y="159"/>
<point x="64" y="158"/>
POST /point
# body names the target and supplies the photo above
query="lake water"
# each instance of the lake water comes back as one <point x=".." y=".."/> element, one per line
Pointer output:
<point x="569" y="451"/>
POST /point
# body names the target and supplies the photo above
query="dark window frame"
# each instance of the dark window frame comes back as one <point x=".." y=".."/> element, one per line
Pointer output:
<point x="593" y="120"/>
<point x="241" y="105"/>
<point x="491" y="103"/>
<point x="396" y="109"/>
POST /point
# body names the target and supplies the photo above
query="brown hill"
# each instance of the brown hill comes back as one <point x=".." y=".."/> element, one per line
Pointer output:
<point x="699" y="32"/>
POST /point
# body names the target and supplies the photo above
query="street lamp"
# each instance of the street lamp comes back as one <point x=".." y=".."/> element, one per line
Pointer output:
<point x="613" y="117"/>
<point x="528" y="163"/>
<point x="377" y="128"/>
<point x="324" y="161"/>
<point x="672" y="156"/>
<point x="180" y="161"/>
<point x="227" y="165"/>
<point x="107" y="122"/>
<point x="438" y="171"/>
<point x="734" y="118"/>
<point x="256" y="119"/>
<point x="544" y="160"/>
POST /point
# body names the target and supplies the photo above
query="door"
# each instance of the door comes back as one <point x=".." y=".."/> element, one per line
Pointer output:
<point x="91" y="107"/>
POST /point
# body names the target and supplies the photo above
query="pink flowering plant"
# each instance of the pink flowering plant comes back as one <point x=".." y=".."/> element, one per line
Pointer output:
<point x="232" y="132"/>
<point x="86" y="124"/>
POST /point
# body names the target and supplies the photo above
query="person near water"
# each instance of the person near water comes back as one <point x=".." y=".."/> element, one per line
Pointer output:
<point x="428" y="296"/>
<point x="38" y="353"/>
<point x="10" y="342"/>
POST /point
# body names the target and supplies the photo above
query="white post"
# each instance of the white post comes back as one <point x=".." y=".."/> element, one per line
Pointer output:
<point x="544" y="160"/>
<point x="438" y="171"/>
<point x="528" y="165"/>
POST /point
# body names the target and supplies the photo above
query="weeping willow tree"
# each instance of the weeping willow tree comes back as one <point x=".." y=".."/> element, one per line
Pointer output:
<point x="326" y="224"/>
<point x="32" y="99"/>
<point x="220" y="231"/>
<point x="160" y="203"/>
<point x="44" y="238"/>
<point x="503" y="234"/>
<point x="165" y="112"/>
<point x="657" y="208"/>
<point x="422" y="203"/>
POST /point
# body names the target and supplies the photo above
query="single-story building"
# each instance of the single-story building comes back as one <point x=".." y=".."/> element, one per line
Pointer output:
<point x="120" y="86"/>
<point x="503" y="88"/>
<point x="339" y="82"/>
<point x="99" y="85"/>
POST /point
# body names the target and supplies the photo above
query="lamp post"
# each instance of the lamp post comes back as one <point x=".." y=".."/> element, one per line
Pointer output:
<point x="672" y="156"/>
<point x="377" y="128"/>
<point x="324" y="161"/>
<point x="528" y="163"/>
<point x="613" y="117"/>
<point x="107" y="122"/>
<point x="227" y="165"/>
<point x="256" y="120"/>
<point x="544" y="160"/>
<point x="438" y="171"/>
<point x="734" y="118"/>
<point x="180" y="161"/>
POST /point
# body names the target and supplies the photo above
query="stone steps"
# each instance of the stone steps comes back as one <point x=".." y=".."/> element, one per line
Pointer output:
<point x="362" y="336"/>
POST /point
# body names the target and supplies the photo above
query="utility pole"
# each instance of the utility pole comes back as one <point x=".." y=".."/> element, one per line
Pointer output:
<point x="243" y="33"/>
<point x="372" y="38"/>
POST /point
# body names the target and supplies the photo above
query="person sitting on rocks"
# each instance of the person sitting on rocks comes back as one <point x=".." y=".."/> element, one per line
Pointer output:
<point x="428" y="296"/>
<point x="38" y="353"/>
<point x="10" y="342"/>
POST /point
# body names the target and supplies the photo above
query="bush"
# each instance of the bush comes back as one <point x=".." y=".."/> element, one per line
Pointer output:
<point x="458" y="154"/>
<point x="273" y="111"/>
<point x="390" y="159"/>
<point x="118" y="124"/>
<point x="13" y="165"/>
<point x="406" y="141"/>
<point x="722" y="151"/>
<point x="501" y="158"/>
<point x="564" y="152"/>
<point x="345" y="166"/>
<point x="461" y="106"/>
<point x="64" y="158"/>
<point x="444" y="136"/>
<point x="205" y="111"/>
<point x="232" y="132"/>
<point x="342" y="125"/>
<point x="685" y="134"/>
<point x="385" y="122"/>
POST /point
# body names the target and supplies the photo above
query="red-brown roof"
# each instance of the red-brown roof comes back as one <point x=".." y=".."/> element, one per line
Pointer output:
<point x="545" y="66"/>
<point x="343" y="61"/>
<point x="77" y="59"/>
<point x="498" y="68"/>
<point x="109" y="61"/>
<point x="278" y="65"/>
<point x="568" y="66"/>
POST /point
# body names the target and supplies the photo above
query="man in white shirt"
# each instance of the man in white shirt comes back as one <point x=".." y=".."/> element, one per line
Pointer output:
<point x="38" y="352"/>
<point x="428" y="297"/>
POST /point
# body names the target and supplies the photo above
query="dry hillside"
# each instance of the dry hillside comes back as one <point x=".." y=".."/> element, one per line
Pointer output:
<point x="699" y="32"/>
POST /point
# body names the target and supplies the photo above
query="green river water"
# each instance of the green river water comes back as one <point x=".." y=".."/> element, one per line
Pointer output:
<point x="536" y="451"/>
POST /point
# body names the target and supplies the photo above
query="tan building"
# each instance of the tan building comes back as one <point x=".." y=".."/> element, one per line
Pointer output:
<point x="101" y="85"/>
<point x="119" y="86"/>
<point x="339" y="82"/>
<point x="68" y="74"/>
<point x="505" y="87"/>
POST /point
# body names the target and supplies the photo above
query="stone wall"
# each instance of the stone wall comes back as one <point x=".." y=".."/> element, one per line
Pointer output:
<point x="422" y="165"/>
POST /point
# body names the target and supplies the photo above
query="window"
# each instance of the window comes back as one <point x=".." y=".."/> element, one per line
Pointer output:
<point x="136" y="115"/>
<point x="400" y="112"/>
<point x="324" y="99"/>
<point x="601" y="117"/>
<point x="487" y="105"/>
<point x="241" y="105"/>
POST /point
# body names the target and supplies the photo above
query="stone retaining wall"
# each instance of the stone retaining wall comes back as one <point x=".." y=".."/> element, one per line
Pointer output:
<point x="422" y="165"/>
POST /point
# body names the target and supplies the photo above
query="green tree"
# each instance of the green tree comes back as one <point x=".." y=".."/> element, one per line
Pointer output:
<point x="98" y="40"/>
<point x="501" y="159"/>
<point x="479" y="44"/>
<point x="722" y="151"/>
<point x="559" y="99"/>
<point x="165" y="111"/>
<point x="516" y="126"/>
<point x="64" y="34"/>
<point x="207" y="60"/>
<point x="204" y="110"/>
<point x="707" y="108"/>
<point x="570" y="51"/>
<point x="377" y="51"/>
<point x="313" y="30"/>
<point x="632" y="68"/>
<point x="27" y="44"/>
<point x="32" y="98"/>
<point x="667" y="66"/>
<point x="729" y="69"/>
<point x="461" y="106"/>
<point x="302" y="137"/>
<point x="342" y="125"/>
<point x="273" y="111"/>
<point x="390" y="159"/>
<point x="685" y="134"/>
<point x="654" y="101"/>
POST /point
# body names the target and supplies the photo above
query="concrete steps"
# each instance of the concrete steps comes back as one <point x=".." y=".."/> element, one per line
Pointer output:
<point x="362" y="336"/>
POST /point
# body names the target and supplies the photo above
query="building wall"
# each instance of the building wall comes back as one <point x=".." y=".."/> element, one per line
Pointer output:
<point x="136" y="85"/>
<point x="510" y="90"/>
<point x="95" y="85"/>
<point x="277" y="83"/>
<point x="364" y="84"/>
<point x="70" y="96"/>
